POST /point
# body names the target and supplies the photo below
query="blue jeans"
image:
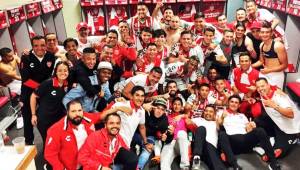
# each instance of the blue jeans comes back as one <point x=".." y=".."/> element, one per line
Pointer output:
<point x="144" y="156"/>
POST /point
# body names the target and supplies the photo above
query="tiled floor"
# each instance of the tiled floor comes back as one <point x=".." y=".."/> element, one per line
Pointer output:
<point x="247" y="161"/>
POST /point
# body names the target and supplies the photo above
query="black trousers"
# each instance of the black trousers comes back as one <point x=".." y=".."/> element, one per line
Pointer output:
<point x="206" y="150"/>
<point x="243" y="143"/>
<point x="126" y="158"/>
<point x="283" y="141"/>
<point x="26" y="113"/>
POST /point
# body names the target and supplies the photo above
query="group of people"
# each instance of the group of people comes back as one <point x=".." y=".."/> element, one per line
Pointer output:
<point x="156" y="88"/>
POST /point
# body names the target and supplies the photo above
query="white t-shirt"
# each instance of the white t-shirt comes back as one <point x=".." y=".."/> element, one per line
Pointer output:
<point x="90" y="41"/>
<point x="211" y="130"/>
<point x="235" y="124"/>
<point x="141" y="80"/>
<point x="287" y="125"/>
<point x="129" y="123"/>
<point x="171" y="72"/>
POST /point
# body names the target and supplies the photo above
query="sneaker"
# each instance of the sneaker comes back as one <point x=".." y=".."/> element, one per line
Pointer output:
<point x="259" y="150"/>
<point x="274" y="166"/>
<point x="196" y="163"/>
<point x="237" y="167"/>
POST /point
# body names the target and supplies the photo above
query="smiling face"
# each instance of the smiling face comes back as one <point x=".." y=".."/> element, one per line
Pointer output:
<point x="168" y="14"/>
<point x="71" y="48"/>
<point x="123" y="27"/>
<point x="203" y="92"/>
<point x="106" y="54"/>
<point x="228" y="38"/>
<point x="62" y="72"/>
<point x="113" y="125"/>
<point x="220" y="85"/>
<point x="39" y="47"/>
<point x="111" y="39"/>
<point x="152" y="50"/>
<point x="199" y="23"/>
<point x="142" y="11"/>
<point x="138" y="98"/>
<point x="241" y="15"/>
<point x="146" y="37"/>
<point x="245" y="62"/>
<point x="234" y="104"/>
<point x="251" y="8"/>
<point x="83" y="32"/>
<point x="89" y="60"/>
<point x="177" y="106"/>
<point x="209" y="114"/>
<point x="186" y="40"/>
<point x="240" y="32"/>
<point x="172" y="89"/>
<point x="154" y="78"/>
<point x="266" y="33"/>
<point x="208" y="37"/>
<point x="263" y="88"/>
<point x="104" y="75"/>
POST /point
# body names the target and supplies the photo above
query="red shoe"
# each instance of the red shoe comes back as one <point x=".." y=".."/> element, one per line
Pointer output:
<point x="277" y="153"/>
<point x="265" y="158"/>
<point x="223" y="157"/>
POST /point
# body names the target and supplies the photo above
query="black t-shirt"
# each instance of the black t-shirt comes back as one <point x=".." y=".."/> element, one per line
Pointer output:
<point x="256" y="44"/>
<point x="50" y="97"/>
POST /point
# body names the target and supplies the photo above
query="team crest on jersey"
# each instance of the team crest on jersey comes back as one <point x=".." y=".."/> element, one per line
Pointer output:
<point x="31" y="65"/>
<point x="49" y="64"/>
<point x="53" y="93"/>
<point x="116" y="52"/>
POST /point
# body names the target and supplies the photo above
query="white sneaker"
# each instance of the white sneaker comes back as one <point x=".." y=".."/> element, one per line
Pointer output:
<point x="196" y="163"/>
<point x="259" y="150"/>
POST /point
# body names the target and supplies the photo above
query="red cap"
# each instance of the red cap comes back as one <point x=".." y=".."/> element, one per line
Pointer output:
<point x="81" y="25"/>
<point x="256" y="25"/>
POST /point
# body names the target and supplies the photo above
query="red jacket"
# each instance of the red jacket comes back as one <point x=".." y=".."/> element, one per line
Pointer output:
<point x="61" y="146"/>
<point x="95" y="151"/>
<point x="253" y="75"/>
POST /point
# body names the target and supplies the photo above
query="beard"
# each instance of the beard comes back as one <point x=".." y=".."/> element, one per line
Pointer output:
<point x="172" y="94"/>
<point x="75" y="121"/>
<point x="112" y="134"/>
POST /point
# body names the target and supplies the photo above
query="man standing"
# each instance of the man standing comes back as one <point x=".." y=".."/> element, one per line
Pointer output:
<point x="110" y="150"/>
<point x="273" y="57"/>
<point x="65" y="138"/>
<point x="35" y="68"/>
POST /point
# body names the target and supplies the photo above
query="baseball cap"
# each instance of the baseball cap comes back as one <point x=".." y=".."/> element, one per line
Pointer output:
<point x="160" y="101"/>
<point x="255" y="24"/>
<point x="104" y="64"/>
<point x="81" y="25"/>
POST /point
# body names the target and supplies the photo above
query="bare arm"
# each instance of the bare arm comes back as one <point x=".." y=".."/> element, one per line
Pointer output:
<point x="127" y="90"/>
<point x="142" y="130"/>
<point x="260" y="62"/>
<point x="275" y="22"/>
<point x="250" y="48"/>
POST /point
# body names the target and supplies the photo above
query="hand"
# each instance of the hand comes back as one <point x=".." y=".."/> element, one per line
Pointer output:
<point x="148" y="106"/>
<point x="120" y="99"/>
<point x="25" y="52"/>
<point x="34" y="120"/>
<point x="166" y="96"/>
<point x="269" y="103"/>
<point x="101" y="94"/>
<point x="171" y="129"/>
<point x="164" y="137"/>
<point x="252" y="124"/>
<point x="105" y="168"/>
<point x="265" y="71"/>
<point x="250" y="100"/>
<point x="159" y="5"/>
<point x="251" y="88"/>
<point x="125" y="109"/>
